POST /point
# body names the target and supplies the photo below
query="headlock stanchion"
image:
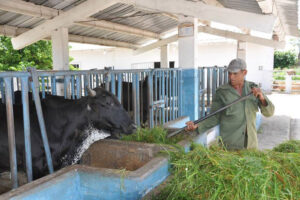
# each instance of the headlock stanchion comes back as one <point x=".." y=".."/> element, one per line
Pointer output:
<point x="38" y="106"/>
<point x="156" y="96"/>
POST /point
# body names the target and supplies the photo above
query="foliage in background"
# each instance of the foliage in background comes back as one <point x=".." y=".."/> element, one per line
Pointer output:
<point x="156" y="135"/>
<point x="38" y="55"/>
<point x="285" y="59"/>
<point x="219" y="174"/>
<point x="280" y="74"/>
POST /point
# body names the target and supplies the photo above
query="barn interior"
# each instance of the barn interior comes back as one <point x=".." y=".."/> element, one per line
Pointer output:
<point x="169" y="91"/>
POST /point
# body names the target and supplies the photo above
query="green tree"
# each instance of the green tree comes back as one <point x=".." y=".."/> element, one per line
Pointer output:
<point x="285" y="59"/>
<point x="37" y="55"/>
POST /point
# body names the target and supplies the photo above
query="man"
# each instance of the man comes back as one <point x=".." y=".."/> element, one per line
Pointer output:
<point x="238" y="122"/>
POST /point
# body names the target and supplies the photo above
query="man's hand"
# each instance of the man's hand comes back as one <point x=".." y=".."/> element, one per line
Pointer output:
<point x="258" y="94"/>
<point x="190" y="126"/>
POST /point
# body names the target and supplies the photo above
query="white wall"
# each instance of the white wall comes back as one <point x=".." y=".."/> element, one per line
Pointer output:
<point x="260" y="61"/>
<point x="119" y="58"/>
<point x="210" y="54"/>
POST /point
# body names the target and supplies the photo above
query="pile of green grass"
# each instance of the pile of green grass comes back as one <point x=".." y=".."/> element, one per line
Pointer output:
<point x="292" y="146"/>
<point x="219" y="174"/>
<point x="216" y="173"/>
<point x="157" y="135"/>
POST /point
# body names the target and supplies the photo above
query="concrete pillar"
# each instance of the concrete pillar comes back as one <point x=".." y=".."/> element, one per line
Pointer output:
<point x="188" y="61"/>
<point x="241" y="50"/>
<point x="164" y="56"/>
<point x="60" y="54"/>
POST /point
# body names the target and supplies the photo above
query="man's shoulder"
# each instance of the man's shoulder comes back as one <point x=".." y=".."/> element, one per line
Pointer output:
<point x="224" y="87"/>
<point x="251" y="84"/>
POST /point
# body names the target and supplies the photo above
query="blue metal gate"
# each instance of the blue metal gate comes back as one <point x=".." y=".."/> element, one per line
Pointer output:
<point x="210" y="78"/>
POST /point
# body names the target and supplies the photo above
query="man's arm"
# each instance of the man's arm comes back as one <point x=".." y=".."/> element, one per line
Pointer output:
<point x="266" y="106"/>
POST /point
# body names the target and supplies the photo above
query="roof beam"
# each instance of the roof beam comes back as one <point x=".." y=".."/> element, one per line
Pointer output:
<point x="12" y="31"/>
<point x="157" y="44"/>
<point x="30" y="9"/>
<point x="269" y="7"/>
<point x="65" y="19"/>
<point x="241" y="19"/>
<point x="218" y="32"/>
<point x="241" y="37"/>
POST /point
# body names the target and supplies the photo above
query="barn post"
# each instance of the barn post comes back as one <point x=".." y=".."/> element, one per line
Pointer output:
<point x="188" y="61"/>
<point x="60" y="52"/>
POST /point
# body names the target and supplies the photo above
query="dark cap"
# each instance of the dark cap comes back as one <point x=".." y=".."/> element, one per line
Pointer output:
<point x="236" y="65"/>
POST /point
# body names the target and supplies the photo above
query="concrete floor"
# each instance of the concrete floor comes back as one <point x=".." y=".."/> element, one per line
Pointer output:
<point x="284" y="125"/>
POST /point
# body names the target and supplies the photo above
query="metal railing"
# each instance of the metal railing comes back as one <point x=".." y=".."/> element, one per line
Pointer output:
<point x="210" y="78"/>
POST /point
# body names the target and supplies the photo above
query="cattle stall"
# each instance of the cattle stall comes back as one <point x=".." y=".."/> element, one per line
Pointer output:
<point x="152" y="96"/>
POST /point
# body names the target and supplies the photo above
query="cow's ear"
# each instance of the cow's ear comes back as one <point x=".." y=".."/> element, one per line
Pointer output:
<point x="88" y="107"/>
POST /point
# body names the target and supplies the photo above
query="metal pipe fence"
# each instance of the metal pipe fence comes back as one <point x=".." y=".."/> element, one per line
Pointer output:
<point x="210" y="78"/>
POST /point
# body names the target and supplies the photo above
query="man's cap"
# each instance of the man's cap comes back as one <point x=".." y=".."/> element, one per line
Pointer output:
<point x="236" y="65"/>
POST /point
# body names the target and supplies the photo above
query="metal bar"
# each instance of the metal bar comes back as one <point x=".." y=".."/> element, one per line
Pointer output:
<point x="35" y="87"/>
<point x="85" y="84"/>
<point x="78" y="86"/>
<point x="137" y="89"/>
<point x="180" y="82"/>
<point x="226" y="76"/>
<point x="26" y="118"/>
<point x="173" y="95"/>
<point x="53" y="85"/>
<point x="73" y="86"/>
<point x="120" y="87"/>
<point x="113" y="83"/>
<point x="167" y="96"/>
<point x="97" y="80"/>
<point x="47" y="84"/>
<point x="12" y="90"/>
<point x="107" y="79"/>
<point x="214" y="80"/>
<point x="11" y="133"/>
<point x="43" y="87"/>
<point x="213" y="113"/>
<point x="134" y="99"/>
<point x="150" y="100"/>
<point x="208" y="87"/>
<point x="67" y="94"/>
<point x="170" y="95"/>
<point x="202" y="93"/>
<point x="163" y="96"/>
<point x="2" y="90"/>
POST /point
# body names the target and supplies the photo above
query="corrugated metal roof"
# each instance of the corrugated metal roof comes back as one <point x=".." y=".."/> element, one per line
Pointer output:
<point x="145" y="20"/>
<point x="130" y="16"/>
<point x="288" y="11"/>
<point x="244" y="5"/>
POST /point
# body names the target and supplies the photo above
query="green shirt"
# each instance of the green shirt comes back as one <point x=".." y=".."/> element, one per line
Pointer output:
<point x="237" y="119"/>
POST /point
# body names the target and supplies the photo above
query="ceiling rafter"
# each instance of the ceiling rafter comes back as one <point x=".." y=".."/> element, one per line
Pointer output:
<point x="270" y="7"/>
<point x="12" y="31"/>
<point x="218" y="32"/>
<point x="30" y="9"/>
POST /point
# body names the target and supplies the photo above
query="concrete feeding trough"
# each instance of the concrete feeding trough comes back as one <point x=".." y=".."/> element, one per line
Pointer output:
<point x="111" y="170"/>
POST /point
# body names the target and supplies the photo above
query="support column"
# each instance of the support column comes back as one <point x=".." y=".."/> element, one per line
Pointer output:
<point x="60" y="54"/>
<point x="241" y="50"/>
<point x="164" y="56"/>
<point x="188" y="60"/>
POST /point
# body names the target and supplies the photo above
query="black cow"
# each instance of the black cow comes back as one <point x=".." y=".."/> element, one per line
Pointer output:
<point x="65" y="122"/>
<point x="127" y="98"/>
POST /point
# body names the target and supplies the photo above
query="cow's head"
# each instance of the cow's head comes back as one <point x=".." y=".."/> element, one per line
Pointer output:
<point x="106" y="113"/>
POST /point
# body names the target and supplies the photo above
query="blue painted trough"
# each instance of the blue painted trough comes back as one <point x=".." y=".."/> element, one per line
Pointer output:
<point x="117" y="170"/>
